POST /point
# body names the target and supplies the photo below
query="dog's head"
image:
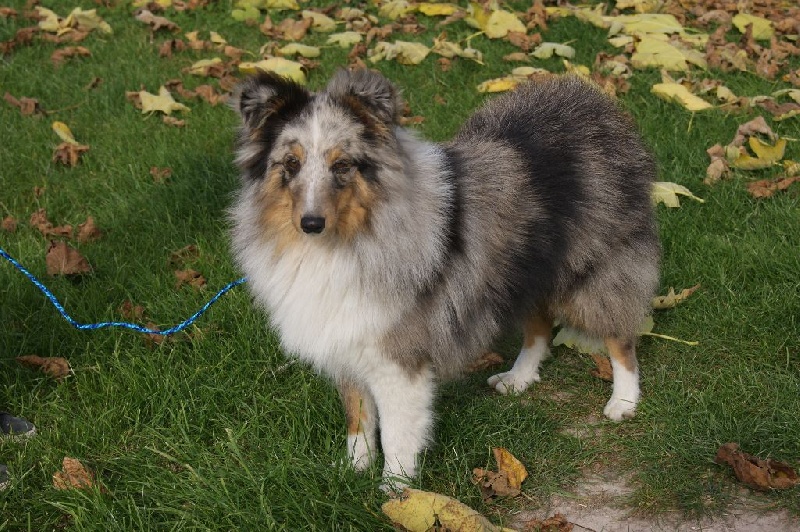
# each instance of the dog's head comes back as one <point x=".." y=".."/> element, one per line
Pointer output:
<point x="314" y="159"/>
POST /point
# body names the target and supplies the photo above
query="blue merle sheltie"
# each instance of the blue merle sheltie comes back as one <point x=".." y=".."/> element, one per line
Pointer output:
<point x="389" y="262"/>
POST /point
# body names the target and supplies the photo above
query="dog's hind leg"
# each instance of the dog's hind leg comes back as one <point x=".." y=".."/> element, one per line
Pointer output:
<point x="625" y="395"/>
<point x="535" y="348"/>
<point x="361" y="417"/>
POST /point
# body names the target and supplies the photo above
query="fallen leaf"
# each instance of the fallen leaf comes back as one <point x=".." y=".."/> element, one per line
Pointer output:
<point x="88" y="231"/>
<point x="395" y="9"/>
<point x="766" y="154"/>
<point x="667" y="193"/>
<point x="283" y="67"/>
<point x="320" y="22"/>
<point x="9" y="224"/>
<point x="485" y="361"/>
<point x="766" y="188"/>
<point x="406" y="53"/>
<point x="156" y="23"/>
<point x="755" y="472"/>
<point x="56" y="367"/>
<point x="160" y="175"/>
<point x="345" y="39"/>
<point x="423" y="511"/>
<point x="762" y="28"/>
<point x="73" y="475"/>
<point x="676" y="92"/>
<point x="508" y="465"/>
<point x="172" y="121"/>
<point x="191" y="277"/>
<point x="603" y="369"/>
<point x="26" y="106"/>
<point x="299" y="49"/>
<point x="62" y="54"/>
<point x="496" y="23"/>
<point x="64" y="133"/>
<point x="555" y="523"/>
<point x="62" y="259"/>
<point x="437" y="9"/>
<point x="163" y="102"/>
<point x="206" y="67"/>
<point x="69" y="154"/>
<point x="755" y="126"/>
<point x="672" y="299"/>
<point x="186" y="254"/>
<point x="130" y="311"/>
<point x="547" y="49"/>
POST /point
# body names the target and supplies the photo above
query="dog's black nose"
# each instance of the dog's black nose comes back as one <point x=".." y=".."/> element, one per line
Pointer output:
<point x="312" y="224"/>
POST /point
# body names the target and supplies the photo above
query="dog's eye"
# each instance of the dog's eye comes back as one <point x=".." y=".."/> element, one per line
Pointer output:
<point x="291" y="164"/>
<point x="341" y="168"/>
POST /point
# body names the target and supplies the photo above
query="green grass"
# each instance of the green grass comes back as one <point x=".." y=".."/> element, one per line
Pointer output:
<point x="216" y="430"/>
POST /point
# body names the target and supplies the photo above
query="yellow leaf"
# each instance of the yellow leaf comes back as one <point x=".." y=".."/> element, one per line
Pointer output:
<point x="794" y="94"/>
<point x="200" y="68"/>
<point x="345" y="39"/>
<point x="217" y="39"/>
<point x="163" y="102"/>
<point x="48" y="20"/>
<point x="64" y="133"/>
<point x="435" y="10"/>
<point x="547" y="49"/>
<point x="581" y="70"/>
<point x="299" y="49"/>
<point x="406" y="53"/>
<point x="507" y="463"/>
<point x="657" y="51"/>
<point x="498" y="84"/>
<point x="675" y="92"/>
<point x="667" y="193"/>
<point x="283" y="67"/>
<point x="86" y="20"/>
<point x="641" y="6"/>
<point x="395" y="9"/>
<point x="648" y="23"/>
<point x="419" y="511"/>
<point x="502" y="22"/>
<point x="449" y="49"/>
<point x="672" y="299"/>
<point x="762" y="28"/>
<point x="766" y="155"/>
<point x="281" y="4"/>
<point x="320" y="22"/>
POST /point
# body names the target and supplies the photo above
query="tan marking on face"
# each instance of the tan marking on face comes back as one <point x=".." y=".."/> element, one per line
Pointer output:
<point x="355" y="413"/>
<point x="333" y="155"/>
<point x="277" y="204"/>
<point x="537" y="326"/>
<point x="353" y="205"/>
<point x="623" y="352"/>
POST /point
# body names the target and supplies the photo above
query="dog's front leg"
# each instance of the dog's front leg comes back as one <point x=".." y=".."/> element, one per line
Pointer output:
<point x="405" y="411"/>
<point x="362" y="422"/>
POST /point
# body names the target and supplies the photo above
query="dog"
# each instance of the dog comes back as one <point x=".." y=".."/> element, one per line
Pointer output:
<point x="390" y="263"/>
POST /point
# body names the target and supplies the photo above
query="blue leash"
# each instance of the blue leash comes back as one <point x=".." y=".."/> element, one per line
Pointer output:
<point x="102" y="325"/>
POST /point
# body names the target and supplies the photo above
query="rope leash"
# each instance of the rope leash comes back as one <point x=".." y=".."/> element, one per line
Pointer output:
<point x="132" y="326"/>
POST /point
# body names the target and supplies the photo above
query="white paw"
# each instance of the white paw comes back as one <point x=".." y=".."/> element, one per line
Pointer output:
<point x="358" y="451"/>
<point x="512" y="382"/>
<point x="618" y="409"/>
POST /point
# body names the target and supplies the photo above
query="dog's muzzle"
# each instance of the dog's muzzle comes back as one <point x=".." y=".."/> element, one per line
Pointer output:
<point x="312" y="224"/>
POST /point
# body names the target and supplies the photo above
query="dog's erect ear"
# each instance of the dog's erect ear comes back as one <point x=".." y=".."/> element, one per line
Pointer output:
<point x="265" y="95"/>
<point x="368" y="89"/>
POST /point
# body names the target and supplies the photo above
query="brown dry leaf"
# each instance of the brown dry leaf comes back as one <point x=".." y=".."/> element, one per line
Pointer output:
<point x="26" y="106"/>
<point x="155" y="23"/>
<point x="210" y="94"/>
<point x="672" y="299"/>
<point x="556" y="523"/>
<point x="160" y="175"/>
<point x="63" y="259"/>
<point x="603" y="369"/>
<point x="88" y="231"/>
<point x="190" y="277"/>
<point x="69" y="154"/>
<point x="506" y="481"/>
<point x="756" y="472"/>
<point x="39" y="221"/>
<point x="9" y="224"/>
<point x="7" y="12"/>
<point x="186" y="254"/>
<point x="766" y="188"/>
<point x="62" y="54"/>
<point x="154" y="339"/>
<point x="755" y="126"/>
<point x="293" y="30"/>
<point x="56" y="367"/>
<point x="73" y="475"/>
<point x="486" y="361"/>
<point x="172" y="121"/>
<point x="130" y="311"/>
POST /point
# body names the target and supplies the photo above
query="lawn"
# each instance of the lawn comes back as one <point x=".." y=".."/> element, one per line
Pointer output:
<point x="216" y="428"/>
